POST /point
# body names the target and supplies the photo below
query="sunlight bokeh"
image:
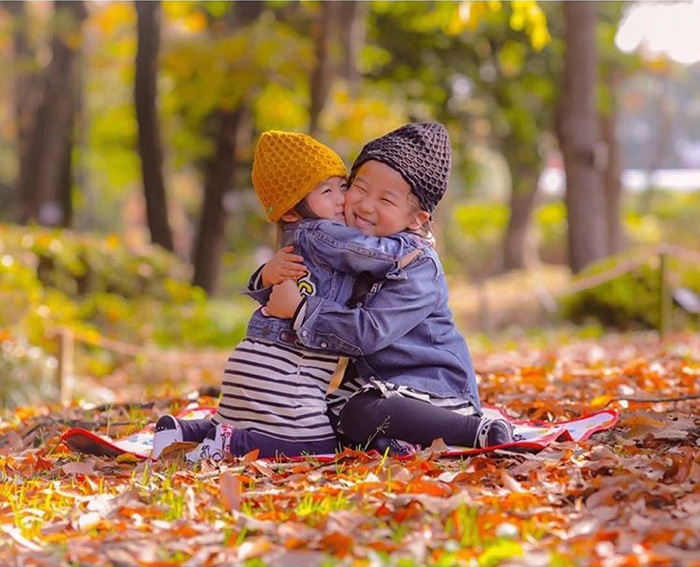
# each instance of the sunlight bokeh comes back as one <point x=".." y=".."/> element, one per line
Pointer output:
<point x="667" y="29"/>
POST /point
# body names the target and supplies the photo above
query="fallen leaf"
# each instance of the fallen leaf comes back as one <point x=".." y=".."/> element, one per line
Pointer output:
<point x="230" y="491"/>
<point x="85" y="468"/>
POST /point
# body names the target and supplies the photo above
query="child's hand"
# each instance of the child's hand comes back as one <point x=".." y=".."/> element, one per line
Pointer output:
<point x="284" y="300"/>
<point x="285" y="265"/>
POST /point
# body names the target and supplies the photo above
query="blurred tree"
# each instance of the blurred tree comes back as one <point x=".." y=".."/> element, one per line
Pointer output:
<point x="517" y="80"/>
<point x="479" y="69"/>
<point x="25" y="95"/>
<point x="615" y="67"/>
<point x="150" y="149"/>
<point x="223" y="128"/>
<point x="345" y="20"/>
<point x="325" y="28"/>
<point x="230" y="65"/>
<point x="353" y="31"/>
<point x="578" y="133"/>
<point x="45" y="180"/>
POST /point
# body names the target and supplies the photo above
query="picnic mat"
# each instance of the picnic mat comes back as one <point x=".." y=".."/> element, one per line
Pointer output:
<point x="529" y="436"/>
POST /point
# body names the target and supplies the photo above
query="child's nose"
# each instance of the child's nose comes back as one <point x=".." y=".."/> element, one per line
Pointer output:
<point x="365" y="205"/>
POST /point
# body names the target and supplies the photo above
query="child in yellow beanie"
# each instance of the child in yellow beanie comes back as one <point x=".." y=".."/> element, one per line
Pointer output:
<point x="273" y="388"/>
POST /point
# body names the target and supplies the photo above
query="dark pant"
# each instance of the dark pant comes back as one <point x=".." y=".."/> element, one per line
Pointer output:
<point x="244" y="441"/>
<point x="368" y="416"/>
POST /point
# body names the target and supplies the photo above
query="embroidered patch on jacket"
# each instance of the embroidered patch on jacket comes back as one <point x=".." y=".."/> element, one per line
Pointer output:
<point x="306" y="285"/>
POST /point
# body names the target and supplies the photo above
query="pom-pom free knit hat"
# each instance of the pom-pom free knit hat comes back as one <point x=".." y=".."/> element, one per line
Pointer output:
<point x="286" y="168"/>
<point x="420" y="152"/>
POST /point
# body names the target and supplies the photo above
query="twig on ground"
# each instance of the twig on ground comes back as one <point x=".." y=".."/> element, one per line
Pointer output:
<point x="654" y="400"/>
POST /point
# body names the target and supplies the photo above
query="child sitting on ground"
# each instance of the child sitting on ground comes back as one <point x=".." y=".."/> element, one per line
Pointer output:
<point x="273" y="389"/>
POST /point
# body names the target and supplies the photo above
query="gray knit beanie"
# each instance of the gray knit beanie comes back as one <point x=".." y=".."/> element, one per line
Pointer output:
<point x="420" y="152"/>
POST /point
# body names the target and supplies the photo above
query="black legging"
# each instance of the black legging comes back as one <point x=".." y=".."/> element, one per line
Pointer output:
<point x="368" y="415"/>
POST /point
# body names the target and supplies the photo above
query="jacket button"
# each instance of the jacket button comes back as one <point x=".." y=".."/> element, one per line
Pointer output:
<point x="324" y="345"/>
<point x="304" y="333"/>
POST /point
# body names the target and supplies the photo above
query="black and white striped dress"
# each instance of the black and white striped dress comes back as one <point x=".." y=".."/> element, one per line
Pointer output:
<point x="277" y="391"/>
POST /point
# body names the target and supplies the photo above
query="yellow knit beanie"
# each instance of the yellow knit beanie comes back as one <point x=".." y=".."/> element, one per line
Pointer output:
<point x="286" y="168"/>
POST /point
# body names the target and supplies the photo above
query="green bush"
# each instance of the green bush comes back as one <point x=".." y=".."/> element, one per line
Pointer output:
<point x="28" y="374"/>
<point x="97" y="286"/>
<point x="631" y="301"/>
<point x="474" y="234"/>
<point x="551" y="225"/>
<point x="79" y="264"/>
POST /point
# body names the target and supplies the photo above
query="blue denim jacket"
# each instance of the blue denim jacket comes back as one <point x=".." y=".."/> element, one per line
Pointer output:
<point x="334" y="254"/>
<point x="402" y="333"/>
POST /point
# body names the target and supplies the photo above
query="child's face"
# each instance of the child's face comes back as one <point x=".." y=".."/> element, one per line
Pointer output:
<point x="328" y="198"/>
<point x="379" y="202"/>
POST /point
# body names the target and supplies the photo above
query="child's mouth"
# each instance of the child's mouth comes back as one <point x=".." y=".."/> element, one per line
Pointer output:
<point x="362" y="223"/>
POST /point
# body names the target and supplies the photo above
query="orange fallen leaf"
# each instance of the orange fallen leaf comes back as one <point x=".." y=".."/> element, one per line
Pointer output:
<point x="230" y="491"/>
<point x="338" y="544"/>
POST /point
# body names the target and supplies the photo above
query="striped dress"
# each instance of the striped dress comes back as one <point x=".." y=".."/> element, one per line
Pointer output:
<point x="278" y="391"/>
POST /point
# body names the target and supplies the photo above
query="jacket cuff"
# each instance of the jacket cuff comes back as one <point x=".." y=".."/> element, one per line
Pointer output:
<point x="255" y="281"/>
<point x="299" y="314"/>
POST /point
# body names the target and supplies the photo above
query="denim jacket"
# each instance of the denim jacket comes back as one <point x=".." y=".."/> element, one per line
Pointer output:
<point x="402" y="333"/>
<point x="334" y="254"/>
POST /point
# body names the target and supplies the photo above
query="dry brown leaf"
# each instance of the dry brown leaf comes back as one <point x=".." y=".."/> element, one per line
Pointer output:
<point x="85" y="468"/>
<point x="230" y="491"/>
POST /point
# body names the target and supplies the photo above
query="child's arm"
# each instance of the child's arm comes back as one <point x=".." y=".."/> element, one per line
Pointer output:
<point x="347" y="250"/>
<point x="284" y="264"/>
<point x="393" y="312"/>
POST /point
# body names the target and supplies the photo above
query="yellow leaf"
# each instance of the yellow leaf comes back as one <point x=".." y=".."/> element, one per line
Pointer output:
<point x="128" y="458"/>
<point x="600" y="401"/>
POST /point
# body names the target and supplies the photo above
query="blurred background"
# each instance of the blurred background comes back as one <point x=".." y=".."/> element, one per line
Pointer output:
<point x="127" y="132"/>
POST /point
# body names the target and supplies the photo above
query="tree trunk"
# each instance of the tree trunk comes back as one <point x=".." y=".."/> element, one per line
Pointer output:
<point x="219" y="172"/>
<point x="65" y="197"/>
<point x="51" y="139"/>
<point x="218" y="178"/>
<point x="518" y="246"/>
<point x="322" y="74"/>
<point x="26" y="92"/>
<point x="662" y="140"/>
<point x="612" y="176"/>
<point x="578" y="137"/>
<point x="150" y="150"/>
<point x="353" y="29"/>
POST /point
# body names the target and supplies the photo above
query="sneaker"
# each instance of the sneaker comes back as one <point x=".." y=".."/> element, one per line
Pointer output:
<point x="213" y="447"/>
<point x="395" y="447"/>
<point x="167" y="432"/>
<point x="492" y="432"/>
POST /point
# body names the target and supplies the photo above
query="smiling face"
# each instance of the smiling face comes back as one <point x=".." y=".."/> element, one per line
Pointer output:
<point x="328" y="198"/>
<point x="379" y="202"/>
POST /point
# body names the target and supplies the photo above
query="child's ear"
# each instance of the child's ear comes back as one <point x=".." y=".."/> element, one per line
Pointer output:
<point x="291" y="216"/>
<point x="419" y="219"/>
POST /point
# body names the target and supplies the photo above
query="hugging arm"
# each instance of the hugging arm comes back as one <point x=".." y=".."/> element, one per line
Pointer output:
<point x="284" y="265"/>
<point x="347" y="250"/>
<point x="396" y="309"/>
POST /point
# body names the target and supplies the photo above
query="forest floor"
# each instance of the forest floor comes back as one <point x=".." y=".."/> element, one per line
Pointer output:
<point x="626" y="496"/>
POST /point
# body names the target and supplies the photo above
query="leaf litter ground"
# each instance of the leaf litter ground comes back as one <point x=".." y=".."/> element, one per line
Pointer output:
<point x="628" y="496"/>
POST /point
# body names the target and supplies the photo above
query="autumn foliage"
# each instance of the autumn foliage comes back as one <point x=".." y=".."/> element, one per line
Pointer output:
<point x="628" y="496"/>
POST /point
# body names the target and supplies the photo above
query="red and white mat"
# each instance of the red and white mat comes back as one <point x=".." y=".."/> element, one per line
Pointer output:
<point x="530" y="436"/>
